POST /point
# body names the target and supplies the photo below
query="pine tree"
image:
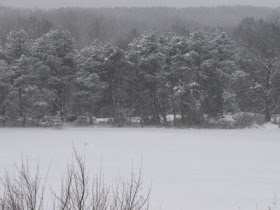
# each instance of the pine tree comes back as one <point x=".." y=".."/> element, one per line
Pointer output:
<point x="218" y="70"/>
<point x="89" y="87"/>
<point x="56" y="51"/>
<point x="5" y="87"/>
<point x="17" y="44"/>
<point x="147" y="56"/>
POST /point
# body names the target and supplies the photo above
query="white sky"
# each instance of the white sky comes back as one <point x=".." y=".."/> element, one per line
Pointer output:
<point x="129" y="3"/>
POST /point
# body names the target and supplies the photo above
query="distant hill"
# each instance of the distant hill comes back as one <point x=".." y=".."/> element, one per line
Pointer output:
<point x="119" y="25"/>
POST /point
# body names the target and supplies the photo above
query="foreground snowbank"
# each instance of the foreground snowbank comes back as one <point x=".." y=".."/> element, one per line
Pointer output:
<point x="270" y="126"/>
<point x="188" y="169"/>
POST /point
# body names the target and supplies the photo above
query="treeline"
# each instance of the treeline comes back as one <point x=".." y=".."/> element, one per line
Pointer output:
<point x="206" y="74"/>
<point x="120" y="25"/>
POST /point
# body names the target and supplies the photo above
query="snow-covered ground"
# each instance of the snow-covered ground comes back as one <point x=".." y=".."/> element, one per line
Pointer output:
<point x="188" y="169"/>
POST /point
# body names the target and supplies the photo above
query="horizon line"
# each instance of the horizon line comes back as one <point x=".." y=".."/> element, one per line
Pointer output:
<point x="141" y="7"/>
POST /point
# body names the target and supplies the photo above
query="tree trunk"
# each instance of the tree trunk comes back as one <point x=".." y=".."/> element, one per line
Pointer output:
<point x="182" y="111"/>
<point x="268" y="88"/>
<point x="62" y="114"/>
<point x="156" y="111"/>
<point x="173" y="109"/>
<point x="24" y="120"/>
<point x="21" y="111"/>
<point x="4" y="116"/>
<point x="141" y="112"/>
<point x="173" y="102"/>
<point x="267" y="112"/>
<point x="162" y="111"/>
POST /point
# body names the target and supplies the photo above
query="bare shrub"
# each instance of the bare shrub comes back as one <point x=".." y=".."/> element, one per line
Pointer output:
<point x="74" y="190"/>
<point x="78" y="191"/>
<point x="245" y="120"/>
<point x="129" y="196"/>
<point x="23" y="191"/>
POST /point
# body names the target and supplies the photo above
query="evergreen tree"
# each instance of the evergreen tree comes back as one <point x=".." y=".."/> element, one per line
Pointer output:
<point x="56" y="51"/>
<point x="218" y="70"/>
<point x="5" y="87"/>
<point x="17" y="44"/>
<point x="146" y="53"/>
<point x="89" y="88"/>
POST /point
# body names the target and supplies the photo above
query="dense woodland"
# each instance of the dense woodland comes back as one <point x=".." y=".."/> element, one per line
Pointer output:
<point x="119" y="26"/>
<point x="55" y="68"/>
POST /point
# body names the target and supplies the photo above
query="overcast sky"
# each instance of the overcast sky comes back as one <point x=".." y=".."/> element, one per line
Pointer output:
<point x="129" y="3"/>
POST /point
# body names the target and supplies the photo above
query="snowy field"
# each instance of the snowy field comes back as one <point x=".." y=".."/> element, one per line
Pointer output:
<point x="188" y="169"/>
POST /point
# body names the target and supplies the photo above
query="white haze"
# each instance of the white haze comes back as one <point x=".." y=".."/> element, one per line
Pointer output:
<point x="134" y="3"/>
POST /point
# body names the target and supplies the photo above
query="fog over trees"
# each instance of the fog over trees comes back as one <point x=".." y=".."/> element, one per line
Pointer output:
<point x="120" y="25"/>
<point x="193" y="64"/>
<point x="135" y="3"/>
